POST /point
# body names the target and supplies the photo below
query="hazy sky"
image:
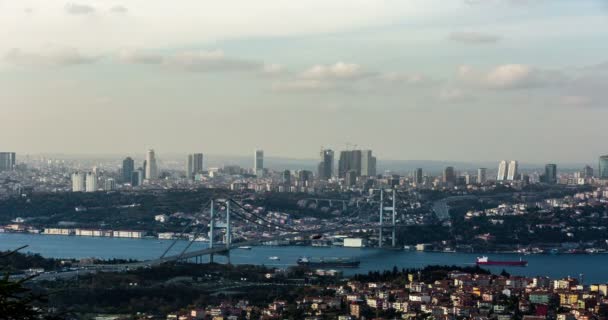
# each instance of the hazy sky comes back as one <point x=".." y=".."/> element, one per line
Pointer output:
<point x="410" y="79"/>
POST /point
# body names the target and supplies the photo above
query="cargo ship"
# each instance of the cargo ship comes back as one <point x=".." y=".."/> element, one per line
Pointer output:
<point x="329" y="262"/>
<point x="485" y="261"/>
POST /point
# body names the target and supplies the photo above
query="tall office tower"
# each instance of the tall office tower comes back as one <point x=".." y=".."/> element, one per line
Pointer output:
<point x="449" y="175"/>
<point x="109" y="184"/>
<point x="286" y="178"/>
<point x="151" y="166"/>
<point x="7" y="161"/>
<point x="137" y="178"/>
<point x="587" y="172"/>
<point x="78" y="182"/>
<point x="350" y="177"/>
<point x="418" y="176"/>
<point x="550" y="173"/>
<point x="91" y="182"/>
<point x="326" y="166"/>
<point x="304" y="178"/>
<point x="603" y="168"/>
<point x="349" y="160"/>
<point x="512" y="173"/>
<point x="128" y="166"/>
<point x="195" y="165"/>
<point x="145" y="168"/>
<point x="502" y="171"/>
<point x="468" y="179"/>
<point x="481" y="175"/>
<point x="368" y="163"/>
<point x="258" y="162"/>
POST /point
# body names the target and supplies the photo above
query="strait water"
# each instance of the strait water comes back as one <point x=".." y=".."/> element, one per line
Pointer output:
<point x="594" y="267"/>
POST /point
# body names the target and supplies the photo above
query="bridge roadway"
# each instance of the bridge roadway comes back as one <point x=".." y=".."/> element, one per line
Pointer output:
<point x="222" y="249"/>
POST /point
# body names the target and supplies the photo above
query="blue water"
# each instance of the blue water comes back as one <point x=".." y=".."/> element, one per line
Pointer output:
<point x="594" y="267"/>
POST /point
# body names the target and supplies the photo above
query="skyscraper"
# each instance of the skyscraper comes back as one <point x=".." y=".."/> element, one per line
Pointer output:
<point x="481" y="175"/>
<point x="550" y="176"/>
<point x="349" y="161"/>
<point x="258" y="162"/>
<point x="195" y="165"/>
<point x="603" y="167"/>
<point x="286" y="178"/>
<point x="502" y="171"/>
<point x="91" y="182"/>
<point x="78" y="182"/>
<point x="7" y="161"/>
<point x="587" y="172"/>
<point x="368" y="163"/>
<point x="449" y="175"/>
<point x="137" y="178"/>
<point x="304" y="178"/>
<point x="128" y="165"/>
<point x="326" y="166"/>
<point x="151" y="167"/>
<point x="109" y="184"/>
<point x="513" y="168"/>
<point x="418" y="176"/>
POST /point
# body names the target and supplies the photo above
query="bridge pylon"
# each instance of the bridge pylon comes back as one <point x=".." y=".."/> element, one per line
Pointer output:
<point x="392" y="211"/>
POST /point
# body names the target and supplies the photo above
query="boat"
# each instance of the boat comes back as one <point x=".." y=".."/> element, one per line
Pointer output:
<point x="245" y="247"/>
<point x="485" y="261"/>
<point x="329" y="262"/>
<point x="274" y="258"/>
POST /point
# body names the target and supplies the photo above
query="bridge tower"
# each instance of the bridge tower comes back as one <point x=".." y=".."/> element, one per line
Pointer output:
<point x="213" y="225"/>
<point x="389" y="210"/>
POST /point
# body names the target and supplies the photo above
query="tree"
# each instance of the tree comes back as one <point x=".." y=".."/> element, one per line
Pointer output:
<point x="18" y="302"/>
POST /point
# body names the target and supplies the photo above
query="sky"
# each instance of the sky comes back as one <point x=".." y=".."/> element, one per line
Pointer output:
<point x="459" y="80"/>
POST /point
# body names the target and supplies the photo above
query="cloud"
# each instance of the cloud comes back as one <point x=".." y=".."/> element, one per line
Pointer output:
<point x="303" y="85"/>
<point x="417" y="80"/>
<point x="273" y="69"/>
<point x="201" y="61"/>
<point x="79" y="9"/>
<point x="119" y="10"/>
<point x="49" y="56"/>
<point x="139" y="57"/>
<point x="576" y="101"/>
<point x="337" y="71"/>
<point x="453" y="95"/>
<point x="518" y="76"/>
<point x="474" y="37"/>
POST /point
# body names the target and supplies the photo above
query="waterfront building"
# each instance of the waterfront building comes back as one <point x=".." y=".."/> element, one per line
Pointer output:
<point x="326" y="166"/>
<point x="151" y="165"/>
<point x="195" y="165"/>
<point x="128" y="166"/>
<point x="78" y="182"/>
<point x="7" y="161"/>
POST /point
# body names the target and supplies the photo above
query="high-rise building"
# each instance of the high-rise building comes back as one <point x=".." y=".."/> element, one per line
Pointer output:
<point x="91" y="182"/>
<point x="349" y="161"/>
<point x="368" y="163"/>
<point x="482" y="175"/>
<point x="109" y="184"/>
<point x="305" y="178"/>
<point x="550" y="175"/>
<point x="449" y="175"/>
<point x="326" y="166"/>
<point x="513" y="168"/>
<point x="151" y="166"/>
<point x="7" y="161"/>
<point x="350" y="178"/>
<point x="418" y="176"/>
<point x="128" y="166"/>
<point x="603" y="168"/>
<point x="286" y="178"/>
<point x="195" y="165"/>
<point x="502" y="171"/>
<point x="137" y="178"/>
<point x="258" y="162"/>
<point x="78" y="182"/>
<point x="587" y="172"/>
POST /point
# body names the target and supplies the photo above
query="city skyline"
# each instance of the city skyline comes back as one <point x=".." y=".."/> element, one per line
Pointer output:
<point x="445" y="63"/>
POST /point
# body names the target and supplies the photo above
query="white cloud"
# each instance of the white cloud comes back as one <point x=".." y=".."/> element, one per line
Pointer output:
<point x="49" y="56"/>
<point x="139" y="57"/>
<point x="453" y="95"/>
<point x="273" y="69"/>
<point x="516" y="76"/>
<point x="119" y="9"/>
<point x="474" y="37"/>
<point x="303" y="85"/>
<point x="337" y="71"/>
<point x="407" y="79"/>
<point x="79" y="9"/>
